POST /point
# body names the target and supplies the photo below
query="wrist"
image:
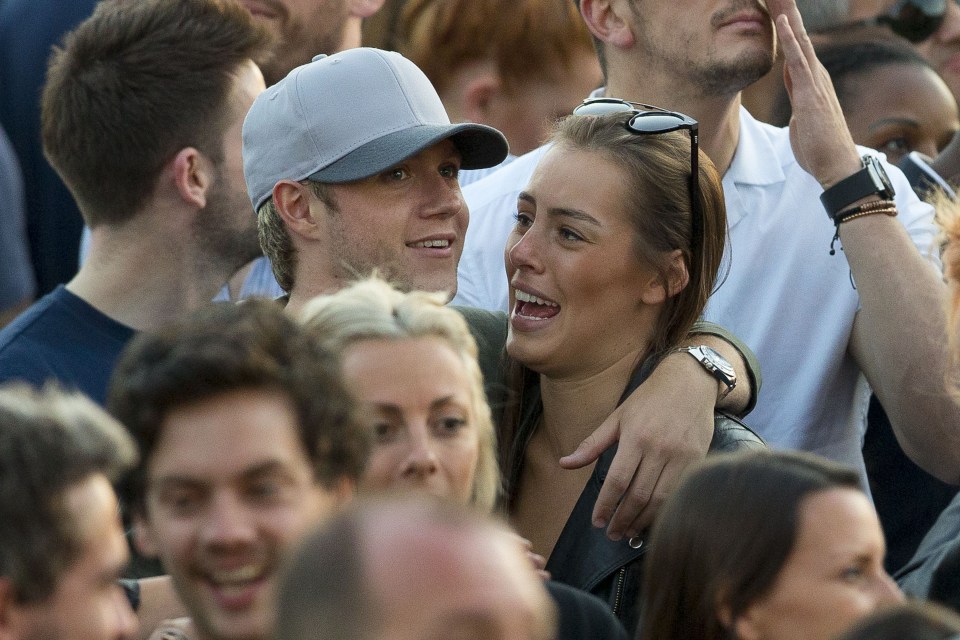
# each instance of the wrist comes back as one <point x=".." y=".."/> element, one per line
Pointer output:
<point x="697" y="383"/>
<point x="840" y="171"/>
<point x="713" y="368"/>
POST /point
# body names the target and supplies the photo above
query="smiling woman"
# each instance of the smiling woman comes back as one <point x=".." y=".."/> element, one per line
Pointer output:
<point x="412" y="363"/>
<point x="612" y="259"/>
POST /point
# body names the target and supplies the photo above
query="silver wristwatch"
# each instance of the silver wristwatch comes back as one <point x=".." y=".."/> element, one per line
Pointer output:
<point x="716" y="365"/>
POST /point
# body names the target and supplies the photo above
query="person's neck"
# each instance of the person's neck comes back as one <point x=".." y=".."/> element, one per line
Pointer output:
<point x="574" y="406"/>
<point x="144" y="278"/>
<point x="718" y="116"/>
<point x="306" y="289"/>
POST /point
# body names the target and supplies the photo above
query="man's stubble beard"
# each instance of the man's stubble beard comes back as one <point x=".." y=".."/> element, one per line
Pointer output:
<point x="225" y="245"/>
<point x="732" y="78"/>
<point x="707" y="76"/>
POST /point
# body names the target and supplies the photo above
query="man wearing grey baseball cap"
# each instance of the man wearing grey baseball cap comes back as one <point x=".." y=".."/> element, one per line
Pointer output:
<point x="351" y="164"/>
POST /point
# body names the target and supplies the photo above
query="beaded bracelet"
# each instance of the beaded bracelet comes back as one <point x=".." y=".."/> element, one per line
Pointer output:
<point x="869" y="206"/>
<point x="890" y="211"/>
<point x="885" y="207"/>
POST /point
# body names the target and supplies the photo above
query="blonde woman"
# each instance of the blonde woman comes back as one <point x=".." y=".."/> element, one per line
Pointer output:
<point x="413" y="363"/>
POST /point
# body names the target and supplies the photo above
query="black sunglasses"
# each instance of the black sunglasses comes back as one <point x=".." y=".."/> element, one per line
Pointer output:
<point x="648" y="119"/>
<point x="915" y="20"/>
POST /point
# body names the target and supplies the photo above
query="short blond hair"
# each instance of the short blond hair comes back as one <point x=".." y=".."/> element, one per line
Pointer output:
<point x="372" y="309"/>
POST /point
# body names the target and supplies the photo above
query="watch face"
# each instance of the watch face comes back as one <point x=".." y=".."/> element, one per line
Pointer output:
<point x="879" y="175"/>
<point x="717" y="361"/>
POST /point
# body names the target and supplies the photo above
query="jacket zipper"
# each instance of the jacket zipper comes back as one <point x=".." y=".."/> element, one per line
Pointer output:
<point x="619" y="592"/>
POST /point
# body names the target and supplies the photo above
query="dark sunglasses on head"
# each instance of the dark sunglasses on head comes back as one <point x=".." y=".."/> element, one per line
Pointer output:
<point x="915" y="20"/>
<point x="647" y="119"/>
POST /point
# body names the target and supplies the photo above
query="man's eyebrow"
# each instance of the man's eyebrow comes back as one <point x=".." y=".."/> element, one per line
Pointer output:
<point x="265" y="468"/>
<point x="176" y="481"/>
<point x="566" y="212"/>
<point x="173" y="480"/>
<point x="883" y="122"/>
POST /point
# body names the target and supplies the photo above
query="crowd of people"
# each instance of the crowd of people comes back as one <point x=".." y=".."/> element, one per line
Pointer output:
<point x="526" y="319"/>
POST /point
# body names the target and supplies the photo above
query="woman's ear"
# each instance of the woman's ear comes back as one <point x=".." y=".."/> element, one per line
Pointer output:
<point x="662" y="286"/>
<point x="745" y="626"/>
<point x="724" y="613"/>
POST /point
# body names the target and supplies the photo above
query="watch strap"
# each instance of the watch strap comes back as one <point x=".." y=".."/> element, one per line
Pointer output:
<point x="869" y="180"/>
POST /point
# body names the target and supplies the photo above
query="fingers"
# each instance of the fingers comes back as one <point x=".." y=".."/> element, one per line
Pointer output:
<point x="665" y="484"/>
<point x="788" y="9"/>
<point x="818" y="131"/>
<point x="619" y="479"/>
<point x="796" y="60"/>
<point x="594" y="444"/>
<point x="640" y="501"/>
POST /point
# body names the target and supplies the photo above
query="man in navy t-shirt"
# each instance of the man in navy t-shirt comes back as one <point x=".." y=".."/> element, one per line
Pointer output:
<point x="142" y="112"/>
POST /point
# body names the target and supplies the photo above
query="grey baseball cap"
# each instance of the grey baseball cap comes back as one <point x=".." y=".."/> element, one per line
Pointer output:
<point x="349" y="116"/>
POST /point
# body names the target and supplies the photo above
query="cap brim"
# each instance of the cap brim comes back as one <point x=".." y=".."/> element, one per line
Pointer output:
<point x="480" y="147"/>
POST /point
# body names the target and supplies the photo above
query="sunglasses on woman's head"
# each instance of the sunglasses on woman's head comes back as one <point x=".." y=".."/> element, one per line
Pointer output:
<point x="648" y="119"/>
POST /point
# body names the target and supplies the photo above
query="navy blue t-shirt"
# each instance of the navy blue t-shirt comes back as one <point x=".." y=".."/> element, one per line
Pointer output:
<point x="63" y="338"/>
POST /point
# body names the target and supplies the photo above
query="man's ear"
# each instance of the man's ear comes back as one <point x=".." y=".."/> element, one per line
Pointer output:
<point x="658" y="289"/>
<point x="606" y="20"/>
<point x="292" y="201"/>
<point x="142" y="538"/>
<point x="478" y="95"/>
<point x="192" y="175"/>
<point x="364" y="8"/>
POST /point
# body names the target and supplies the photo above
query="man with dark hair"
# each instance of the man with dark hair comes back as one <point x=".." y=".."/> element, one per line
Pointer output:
<point x="141" y="117"/>
<point x="409" y="570"/>
<point x="247" y="438"/>
<point x="62" y="547"/>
